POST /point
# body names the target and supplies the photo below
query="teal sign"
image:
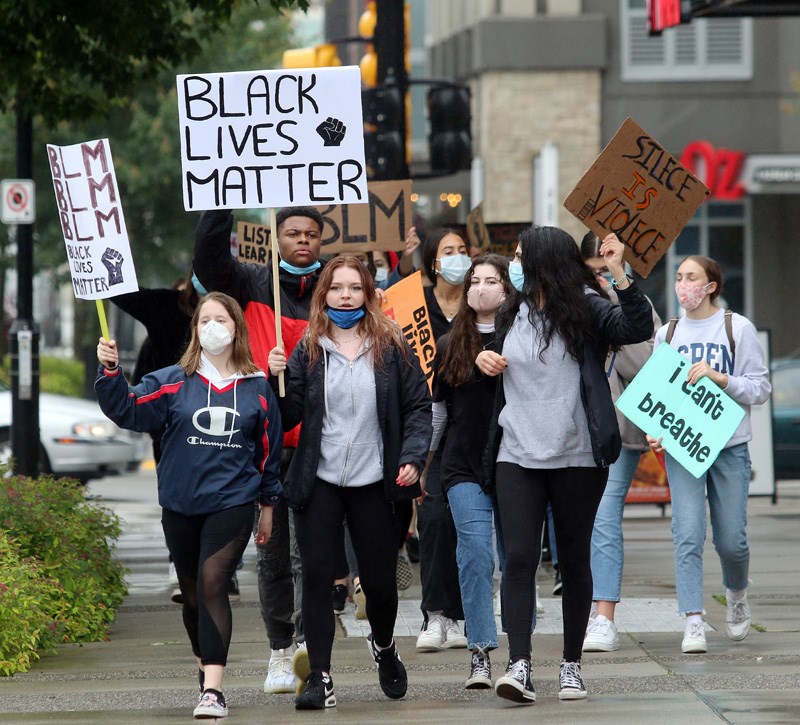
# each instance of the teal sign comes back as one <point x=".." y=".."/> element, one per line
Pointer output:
<point x="694" y="421"/>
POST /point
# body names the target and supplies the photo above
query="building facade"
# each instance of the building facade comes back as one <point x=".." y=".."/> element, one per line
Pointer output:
<point x="721" y="94"/>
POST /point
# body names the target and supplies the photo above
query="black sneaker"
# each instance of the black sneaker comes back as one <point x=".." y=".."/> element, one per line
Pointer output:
<point x="317" y="693"/>
<point x="557" y="585"/>
<point x="233" y="588"/>
<point x="391" y="671"/>
<point x="339" y="598"/>
<point x="480" y="673"/>
<point x="515" y="684"/>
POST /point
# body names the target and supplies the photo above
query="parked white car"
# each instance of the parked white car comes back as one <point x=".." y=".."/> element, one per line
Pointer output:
<point x="76" y="439"/>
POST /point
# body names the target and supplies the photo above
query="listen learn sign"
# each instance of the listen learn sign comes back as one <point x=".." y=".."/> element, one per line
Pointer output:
<point x="694" y="421"/>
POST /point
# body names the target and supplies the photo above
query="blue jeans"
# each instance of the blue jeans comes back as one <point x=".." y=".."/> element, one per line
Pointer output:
<point x="472" y="514"/>
<point x="607" y="541"/>
<point x="726" y="483"/>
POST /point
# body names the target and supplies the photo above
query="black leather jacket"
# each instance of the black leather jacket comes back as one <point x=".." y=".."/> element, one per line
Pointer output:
<point x="404" y="416"/>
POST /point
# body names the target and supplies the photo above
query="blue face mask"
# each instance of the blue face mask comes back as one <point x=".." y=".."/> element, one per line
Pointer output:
<point x="299" y="271"/>
<point x="198" y="287"/>
<point x="516" y="275"/>
<point x="455" y="268"/>
<point x="345" y="318"/>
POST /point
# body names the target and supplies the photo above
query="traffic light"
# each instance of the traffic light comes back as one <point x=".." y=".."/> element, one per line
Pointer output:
<point x="319" y="56"/>
<point x="384" y="25"/>
<point x="384" y="145"/>
<point x="450" y="140"/>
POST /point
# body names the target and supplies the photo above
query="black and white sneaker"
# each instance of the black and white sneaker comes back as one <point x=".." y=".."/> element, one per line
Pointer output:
<point x="317" y="693"/>
<point x="211" y="705"/>
<point x="480" y="673"/>
<point x="391" y="671"/>
<point x="233" y="588"/>
<point x="570" y="682"/>
<point x="515" y="684"/>
<point x="339" y="598"/>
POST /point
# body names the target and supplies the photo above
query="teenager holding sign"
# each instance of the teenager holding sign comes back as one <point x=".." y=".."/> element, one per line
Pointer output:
<point x="724" y="348"/>
<point x="358" y="389"/>
<point x="220" y="454"/>
<point x="554" y="431"/>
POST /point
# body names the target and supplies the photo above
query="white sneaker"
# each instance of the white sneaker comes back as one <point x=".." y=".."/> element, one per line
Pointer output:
<point x="694" y="639"/>
<point x="601" y="636"/>
<point x="433" y="637"/>
<point x="737" y="621"/>
<point x="280" y="677"/>
<point x="301" y="666"/>
<point x="453" y="639"/>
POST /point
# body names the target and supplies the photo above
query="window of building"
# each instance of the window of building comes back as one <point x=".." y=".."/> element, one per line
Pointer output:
<point x="720" y="230"/>
<point x="706" y="49"/>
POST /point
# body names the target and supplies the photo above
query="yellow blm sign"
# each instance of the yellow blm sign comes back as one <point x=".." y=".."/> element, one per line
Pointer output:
<point x="378" y="226"/>
<point x="641" y="192"/>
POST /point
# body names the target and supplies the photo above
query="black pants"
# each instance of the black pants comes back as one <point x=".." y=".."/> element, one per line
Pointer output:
<point x="437" y="549"/>
<point x="206" y="550"/>
<point x="522" y="495"/>
<point x="372" y="527"/>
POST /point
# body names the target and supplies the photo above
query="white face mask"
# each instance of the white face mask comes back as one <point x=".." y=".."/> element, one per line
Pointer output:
<point x="381" y="274"/>
<point x="215" y="337"/>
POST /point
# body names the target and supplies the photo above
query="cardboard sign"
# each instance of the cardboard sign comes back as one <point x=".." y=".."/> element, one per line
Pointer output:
<point x="503" y="236"/>
<point x="639" y="191"/>
<point x="695" y="421"/>
<point x="477" y="233"/>
<point x="252" y="241"/>
<point x="90" y="211"/>
<point x="260" y="139"/>
<point x="405" y="304"/>
<point x="378" y="226"/>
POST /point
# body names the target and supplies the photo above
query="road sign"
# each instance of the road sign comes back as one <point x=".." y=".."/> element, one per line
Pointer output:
<point x="18" y="201"/>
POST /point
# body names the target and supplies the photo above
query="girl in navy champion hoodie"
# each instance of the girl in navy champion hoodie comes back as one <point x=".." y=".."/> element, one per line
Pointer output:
<point x="220" y="452"/>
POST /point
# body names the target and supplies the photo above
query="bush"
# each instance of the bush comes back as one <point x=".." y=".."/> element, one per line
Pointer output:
<point x="56" y="375"/>
<point x="27" y="603"/>
<point x="71" y="541"/>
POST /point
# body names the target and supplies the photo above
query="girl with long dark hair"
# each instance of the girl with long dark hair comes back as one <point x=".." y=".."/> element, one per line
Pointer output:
<point x="554" y="431"/>
<point x="363" y="401"/>
<point x="463" y="401"/>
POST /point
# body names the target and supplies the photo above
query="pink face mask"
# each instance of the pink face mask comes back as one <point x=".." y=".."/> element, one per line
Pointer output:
<point x="690" y="295"/>
<point x="485" y="299"/>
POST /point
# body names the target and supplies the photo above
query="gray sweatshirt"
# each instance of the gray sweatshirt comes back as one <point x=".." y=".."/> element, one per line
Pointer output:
<point x="543" y="421"/>
<point x="351" y="450"/>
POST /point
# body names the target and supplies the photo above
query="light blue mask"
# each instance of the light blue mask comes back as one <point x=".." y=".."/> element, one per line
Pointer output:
<point x="198" y="286"/>
<point x="516" y="275"/>
<point x="381" y="274"/>
<point x="299" y="271"/>
<point x="455" y="268"/>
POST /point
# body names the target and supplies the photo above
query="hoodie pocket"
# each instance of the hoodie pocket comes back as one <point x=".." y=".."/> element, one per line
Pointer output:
<point x="540" y="429"/>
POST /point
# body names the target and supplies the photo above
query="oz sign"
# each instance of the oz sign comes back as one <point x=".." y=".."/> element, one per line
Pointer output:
<point x="18" y="201"/>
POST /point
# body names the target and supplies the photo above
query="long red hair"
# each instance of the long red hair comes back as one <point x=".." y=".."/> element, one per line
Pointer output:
<point x="376" y="327"/>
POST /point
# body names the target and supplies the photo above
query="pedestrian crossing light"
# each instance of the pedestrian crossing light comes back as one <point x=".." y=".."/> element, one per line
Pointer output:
<point x="320" y="56"/>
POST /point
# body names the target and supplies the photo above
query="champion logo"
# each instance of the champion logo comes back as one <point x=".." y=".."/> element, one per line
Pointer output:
<point x="216" y="421"/>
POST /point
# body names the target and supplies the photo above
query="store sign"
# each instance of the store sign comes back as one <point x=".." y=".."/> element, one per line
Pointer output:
<point x="719" y="168"/>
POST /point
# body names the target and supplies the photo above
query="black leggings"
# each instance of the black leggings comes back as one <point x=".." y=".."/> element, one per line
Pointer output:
<point x="373" y="531"/>
<point x="522" y="496"/>
<point x="206" y="550"/>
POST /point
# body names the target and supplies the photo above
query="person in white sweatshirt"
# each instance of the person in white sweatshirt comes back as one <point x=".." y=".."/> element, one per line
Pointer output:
<point x="723" y="347"/>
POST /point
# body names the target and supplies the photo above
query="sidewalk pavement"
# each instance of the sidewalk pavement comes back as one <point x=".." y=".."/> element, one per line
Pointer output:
<point x="146" y="672"/>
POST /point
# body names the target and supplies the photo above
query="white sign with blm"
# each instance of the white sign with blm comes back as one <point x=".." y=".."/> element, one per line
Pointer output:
<point x="90" y="211"/>
<point x="258" y="139"/>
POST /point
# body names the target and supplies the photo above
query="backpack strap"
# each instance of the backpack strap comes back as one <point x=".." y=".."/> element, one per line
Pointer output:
<point x="671" y="330"/>
<point x="729" y="331"/>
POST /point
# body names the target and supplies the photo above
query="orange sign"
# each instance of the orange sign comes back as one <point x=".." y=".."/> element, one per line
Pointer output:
<point x="405" y="304"/>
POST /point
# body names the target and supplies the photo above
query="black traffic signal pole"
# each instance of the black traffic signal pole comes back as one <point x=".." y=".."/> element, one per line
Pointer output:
<point x="390" y="48"/>
<point x="24" y="333"/>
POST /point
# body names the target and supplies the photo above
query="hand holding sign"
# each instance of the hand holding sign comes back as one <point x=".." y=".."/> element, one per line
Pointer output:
<point x="331" y="131"/>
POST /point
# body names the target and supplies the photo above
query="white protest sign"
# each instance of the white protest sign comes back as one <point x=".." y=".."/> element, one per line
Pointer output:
<point x="90" y="210"/>
<point x="259" y="139"/>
